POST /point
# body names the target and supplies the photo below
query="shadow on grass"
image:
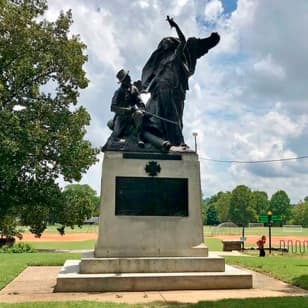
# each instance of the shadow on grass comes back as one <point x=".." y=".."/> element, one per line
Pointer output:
<point x="301" y="281"/>
<point x="270" y="302"/>
<point x="301" y="265"/>
<point x="277" y="302"/>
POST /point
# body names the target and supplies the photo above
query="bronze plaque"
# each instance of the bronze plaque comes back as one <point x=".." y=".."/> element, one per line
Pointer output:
<point x="145" y="196"/>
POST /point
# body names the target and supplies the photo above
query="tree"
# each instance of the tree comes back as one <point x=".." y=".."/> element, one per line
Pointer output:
<point x="79" y="203"/>
<point x="222" y="206"/>
<point x="36" y="217"/>
<point x="209" y="211"/>
<point x="242" y="206"/>
<point x="203" y="212"/>
<point x="300" y="214"/>
<point x="262" y="202"/>
<point x="280" y="205"/>
<point x="41" y="132"/>
<point x="211" y="215"/>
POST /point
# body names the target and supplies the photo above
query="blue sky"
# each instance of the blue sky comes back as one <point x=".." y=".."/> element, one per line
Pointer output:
<point x="247" y="99"/>
<point x="229" y="6"/>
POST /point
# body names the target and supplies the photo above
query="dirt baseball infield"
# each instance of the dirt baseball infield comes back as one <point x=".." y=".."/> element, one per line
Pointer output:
<point x="77" y="237"/>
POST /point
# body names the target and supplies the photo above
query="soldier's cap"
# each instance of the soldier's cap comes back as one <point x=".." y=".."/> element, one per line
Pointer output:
<point x="121" y="75"/>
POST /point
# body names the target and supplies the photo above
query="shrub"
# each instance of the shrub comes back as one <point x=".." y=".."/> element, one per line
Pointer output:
<point x="18" y="248"/>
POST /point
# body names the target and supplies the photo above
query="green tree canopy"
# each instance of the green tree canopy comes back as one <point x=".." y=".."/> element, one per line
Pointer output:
<point x="300" y="214"/>
<point x="280" y="205"/>
<point x="262" y="202"/>
<point x="209" y="211"/>
<point x="41" y="135"/>
<point x="222" y="206"/>
<point x="211" y="215"/>
<point x="242" y="206"/>
<point x="79" y="203"/>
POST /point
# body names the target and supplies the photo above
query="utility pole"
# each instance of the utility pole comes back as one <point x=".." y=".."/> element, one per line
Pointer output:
<point x="195" y="134"/>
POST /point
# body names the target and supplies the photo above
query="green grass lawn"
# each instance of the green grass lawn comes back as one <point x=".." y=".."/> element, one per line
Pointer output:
<point x="63" y="245"/>
<point x="285" y="302"/>
<point x="14" y="263"/>
<point x="291" y="269"/>
<point x="213" y="244"/>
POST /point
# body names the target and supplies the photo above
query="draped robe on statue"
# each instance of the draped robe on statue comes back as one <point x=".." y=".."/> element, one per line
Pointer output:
<point x="165" y="76"/>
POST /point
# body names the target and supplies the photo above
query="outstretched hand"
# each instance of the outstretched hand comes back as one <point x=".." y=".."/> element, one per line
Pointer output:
<point x="215" y="35"/>
<point x="215" y="38"/>
<point x="172" y="23"/>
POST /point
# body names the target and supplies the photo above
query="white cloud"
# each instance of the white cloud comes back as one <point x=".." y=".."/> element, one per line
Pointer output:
<point x="268" y="68"/>
<point x="143" y="4"/>
<point x="247" y="99"/>
<point x="213" y="10"/>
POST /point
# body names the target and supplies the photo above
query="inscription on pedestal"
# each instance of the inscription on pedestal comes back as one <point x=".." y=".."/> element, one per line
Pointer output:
<point x="140" y="196"/>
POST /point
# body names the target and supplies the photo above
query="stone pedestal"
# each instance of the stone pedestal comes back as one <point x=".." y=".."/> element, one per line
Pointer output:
<point x="150" y="233"/>
<point x="137" y="235"/>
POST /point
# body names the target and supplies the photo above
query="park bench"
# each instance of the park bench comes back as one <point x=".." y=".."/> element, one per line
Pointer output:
<point x="229" y="245"/>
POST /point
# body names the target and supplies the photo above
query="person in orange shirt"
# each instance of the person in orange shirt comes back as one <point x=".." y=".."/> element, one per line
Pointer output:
<point x="261" y="242"/>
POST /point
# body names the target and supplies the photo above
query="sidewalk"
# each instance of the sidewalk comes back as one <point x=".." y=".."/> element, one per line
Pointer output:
<point x="233" y="253"/>
<point x="36" y="283"/>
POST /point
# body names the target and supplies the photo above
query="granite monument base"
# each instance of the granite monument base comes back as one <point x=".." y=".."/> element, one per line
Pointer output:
<point x="150" y="233"/>
<point x="71" y="280"/>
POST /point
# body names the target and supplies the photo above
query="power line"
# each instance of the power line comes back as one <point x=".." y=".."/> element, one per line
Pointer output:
<point x="253" y="161"/>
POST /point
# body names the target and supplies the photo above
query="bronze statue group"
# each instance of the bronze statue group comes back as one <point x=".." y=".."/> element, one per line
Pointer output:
<point x="158" y="124"/>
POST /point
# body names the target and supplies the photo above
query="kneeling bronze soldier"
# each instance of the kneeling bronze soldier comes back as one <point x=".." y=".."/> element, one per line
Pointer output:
<point x="128" y="108"/>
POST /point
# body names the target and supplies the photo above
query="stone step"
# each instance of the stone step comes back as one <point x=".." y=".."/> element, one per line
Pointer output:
<point x="151" y="265"/>
<point x="69" y="280"/>
<point x="104" y="251"/>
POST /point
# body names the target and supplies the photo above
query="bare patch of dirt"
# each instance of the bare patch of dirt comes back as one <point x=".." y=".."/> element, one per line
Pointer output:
<point x="52" y="237"/>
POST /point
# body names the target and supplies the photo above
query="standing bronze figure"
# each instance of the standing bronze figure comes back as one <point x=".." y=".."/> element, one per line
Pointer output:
<point x="165" y="76"/>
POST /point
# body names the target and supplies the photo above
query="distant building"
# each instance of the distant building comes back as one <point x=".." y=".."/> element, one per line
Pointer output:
<point x="92" y="221"/>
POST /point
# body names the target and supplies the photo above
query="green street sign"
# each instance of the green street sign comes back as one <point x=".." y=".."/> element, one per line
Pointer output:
<point x="263" y="218"/>
<point x="276" y="218"/>
<point x="243" y="239"/>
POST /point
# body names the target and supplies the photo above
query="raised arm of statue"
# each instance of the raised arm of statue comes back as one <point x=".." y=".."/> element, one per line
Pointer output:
<point x="173" y="24"/>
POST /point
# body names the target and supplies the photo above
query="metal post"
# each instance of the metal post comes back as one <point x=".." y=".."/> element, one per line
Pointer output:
<point x="195" y="134"/>
<point x="270" y="236"/>
<point x="269" y="217"/>
<point x="243" y="237"/>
